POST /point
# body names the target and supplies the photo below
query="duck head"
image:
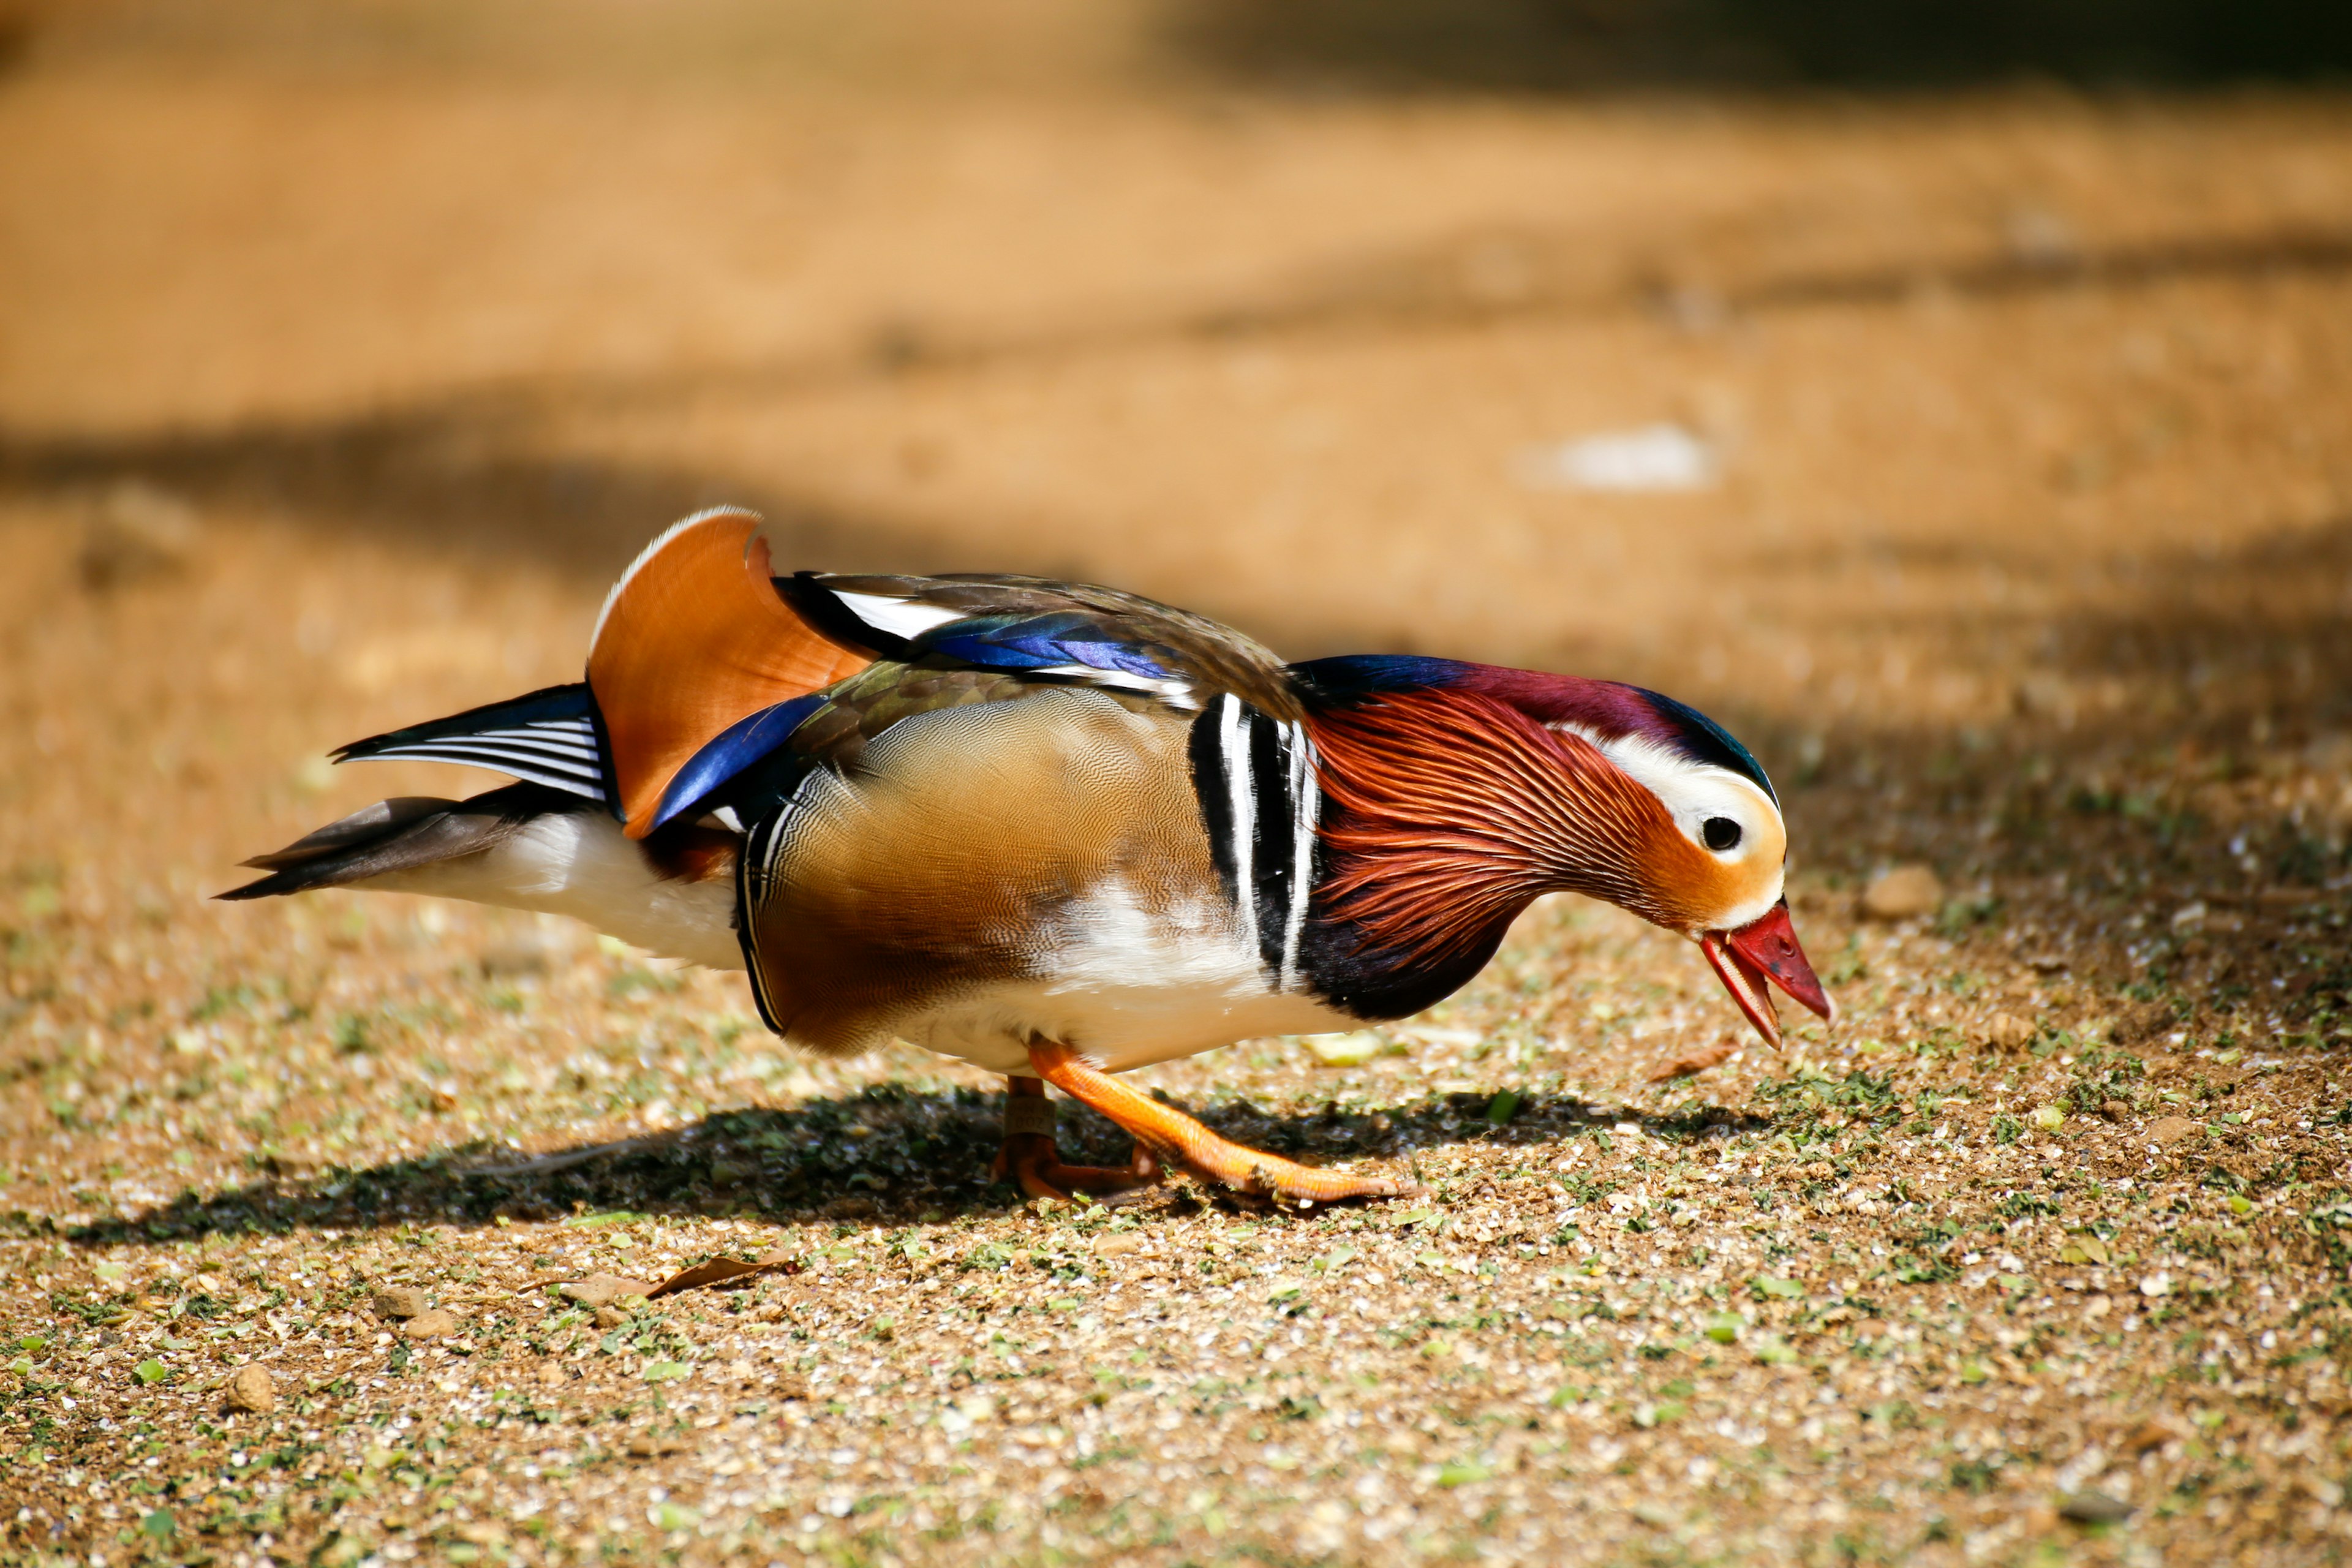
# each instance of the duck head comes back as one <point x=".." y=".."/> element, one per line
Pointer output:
<point x="1461" y="791"/>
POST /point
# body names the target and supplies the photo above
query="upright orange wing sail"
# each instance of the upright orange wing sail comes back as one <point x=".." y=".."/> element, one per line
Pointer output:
<point x="693" y="638"/>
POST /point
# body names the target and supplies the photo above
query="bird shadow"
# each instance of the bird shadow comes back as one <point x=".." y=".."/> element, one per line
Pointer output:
<point x="886" y="1155"/>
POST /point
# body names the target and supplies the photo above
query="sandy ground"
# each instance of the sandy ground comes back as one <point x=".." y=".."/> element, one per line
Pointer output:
<point x="342" y="362"/>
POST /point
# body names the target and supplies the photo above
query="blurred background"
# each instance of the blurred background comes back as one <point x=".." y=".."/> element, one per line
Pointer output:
<point x="1954" y="399"/>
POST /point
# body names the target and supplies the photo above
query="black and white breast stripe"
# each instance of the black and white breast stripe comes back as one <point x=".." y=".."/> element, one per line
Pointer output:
<point x="1256" y="780"/>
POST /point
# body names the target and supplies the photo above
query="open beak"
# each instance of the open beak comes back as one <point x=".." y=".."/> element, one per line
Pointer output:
<point x="1766" y="948"/>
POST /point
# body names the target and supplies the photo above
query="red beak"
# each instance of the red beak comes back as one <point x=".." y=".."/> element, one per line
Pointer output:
<point x="1766" y="948"/>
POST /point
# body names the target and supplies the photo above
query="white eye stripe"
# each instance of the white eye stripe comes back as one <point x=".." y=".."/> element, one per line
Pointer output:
<point x="1692" y="792"/>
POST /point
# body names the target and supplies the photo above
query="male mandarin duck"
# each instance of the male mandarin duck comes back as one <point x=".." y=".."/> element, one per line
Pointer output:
<point x="1061" y="831"/>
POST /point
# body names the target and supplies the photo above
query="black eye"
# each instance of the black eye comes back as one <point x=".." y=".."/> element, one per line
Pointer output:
<point x="1721" y="833"/>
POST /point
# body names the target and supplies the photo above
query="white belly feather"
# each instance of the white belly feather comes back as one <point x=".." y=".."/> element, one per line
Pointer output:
<point x="1127" y="986"/>
<point x="580" y="864"/>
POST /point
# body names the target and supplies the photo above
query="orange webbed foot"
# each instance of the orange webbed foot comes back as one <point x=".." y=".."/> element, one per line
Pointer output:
<point x="1184" y="1142"/>
<point x="1030" y="1158"/>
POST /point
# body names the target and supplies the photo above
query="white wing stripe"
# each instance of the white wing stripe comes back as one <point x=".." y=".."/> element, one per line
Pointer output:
<point x="899" y="617"/>
<point x="1175" y="693"/>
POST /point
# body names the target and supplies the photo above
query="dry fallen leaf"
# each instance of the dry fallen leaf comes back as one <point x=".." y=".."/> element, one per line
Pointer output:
<point x="1690" y="1063"/>
<point x="720" y="1270"/>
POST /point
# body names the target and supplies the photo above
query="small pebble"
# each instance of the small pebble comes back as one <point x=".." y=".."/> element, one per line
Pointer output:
<point x="252" y="1388"/>
<point x="433" y="1325"/>
<point x="1112" y="1244"/>
<point x="2095" y="1508"/>
<point x="1905" y="892"/>
<point x="2166" y="1130"/>
<point x="399" y="1301"/>
<point x="599" y="1288"/>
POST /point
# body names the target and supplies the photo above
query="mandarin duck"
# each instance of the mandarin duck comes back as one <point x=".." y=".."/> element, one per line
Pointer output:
<point x="1060" y="831"/>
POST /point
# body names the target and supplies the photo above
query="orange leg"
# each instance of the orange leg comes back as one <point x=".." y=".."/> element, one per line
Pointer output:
<point x="1029" y="1158"/>
<point x="1182" y="1142"/>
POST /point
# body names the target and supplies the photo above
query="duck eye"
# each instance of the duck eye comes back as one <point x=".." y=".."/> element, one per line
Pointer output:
<point x="1721" y="833"/>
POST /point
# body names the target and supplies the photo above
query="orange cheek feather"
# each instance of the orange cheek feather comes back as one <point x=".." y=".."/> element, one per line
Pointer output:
<point x="1685" y="884"/>
<point x="1694" y="890"/>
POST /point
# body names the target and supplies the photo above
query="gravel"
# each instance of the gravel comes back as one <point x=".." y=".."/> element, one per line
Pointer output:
<point x="2030" y="577"/>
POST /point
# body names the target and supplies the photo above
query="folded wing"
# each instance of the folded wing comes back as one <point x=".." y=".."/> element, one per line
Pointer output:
<point x="705" y="663"/>
<point x="1051" y="632"/>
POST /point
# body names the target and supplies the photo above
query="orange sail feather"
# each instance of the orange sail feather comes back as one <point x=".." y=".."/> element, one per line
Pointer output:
<point x="694" y="638"/>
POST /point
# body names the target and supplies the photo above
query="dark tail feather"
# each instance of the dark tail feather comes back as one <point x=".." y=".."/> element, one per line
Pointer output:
<point x="400" y="835"/>
<point x="548" y="737"/>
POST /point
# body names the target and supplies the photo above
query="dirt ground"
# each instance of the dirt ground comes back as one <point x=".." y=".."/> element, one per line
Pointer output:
<point x="346" y="353"/>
